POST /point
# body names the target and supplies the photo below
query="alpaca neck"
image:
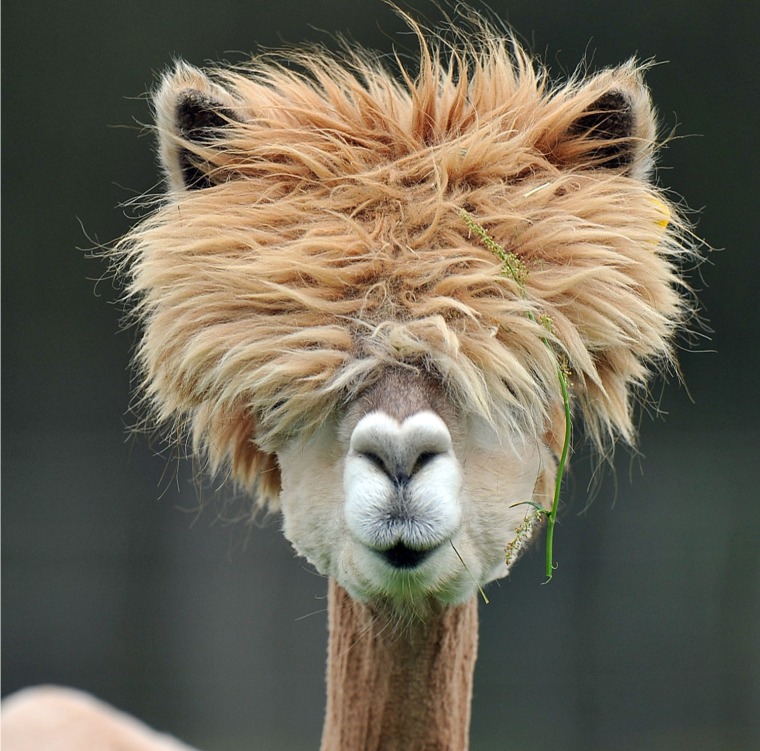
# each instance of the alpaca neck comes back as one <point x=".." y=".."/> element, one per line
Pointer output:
<point x="391" y="688"/>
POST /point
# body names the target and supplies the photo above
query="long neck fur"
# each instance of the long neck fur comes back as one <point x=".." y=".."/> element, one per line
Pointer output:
<point x="394" y="689"/>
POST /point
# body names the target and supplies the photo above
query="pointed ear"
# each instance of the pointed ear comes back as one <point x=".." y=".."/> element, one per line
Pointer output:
<point x="615" y="127"/>
<point x="192" y="112"/>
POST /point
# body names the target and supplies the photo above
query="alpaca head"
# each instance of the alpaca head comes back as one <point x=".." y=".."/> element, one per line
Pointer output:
<point x="318" y="315"/>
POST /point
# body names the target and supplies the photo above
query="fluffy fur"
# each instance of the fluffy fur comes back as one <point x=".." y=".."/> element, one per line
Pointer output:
<point x="312" y="234"/>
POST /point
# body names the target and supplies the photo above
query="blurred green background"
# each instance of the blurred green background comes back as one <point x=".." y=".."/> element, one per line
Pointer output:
<point x="115" y="582"/>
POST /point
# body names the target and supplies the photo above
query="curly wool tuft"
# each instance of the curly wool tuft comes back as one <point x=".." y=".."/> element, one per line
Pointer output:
<point x="327" y="241"/>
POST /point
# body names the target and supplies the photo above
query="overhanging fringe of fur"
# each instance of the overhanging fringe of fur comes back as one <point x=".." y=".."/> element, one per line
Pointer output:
<point x="332" y="244"/>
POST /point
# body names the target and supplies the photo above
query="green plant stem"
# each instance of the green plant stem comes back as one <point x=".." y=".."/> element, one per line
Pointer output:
<point x="515" y="268"/>
<point x="552" y="515"/>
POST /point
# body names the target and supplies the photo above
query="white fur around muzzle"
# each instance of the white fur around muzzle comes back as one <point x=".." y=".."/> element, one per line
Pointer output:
<point x="402" y="482"/>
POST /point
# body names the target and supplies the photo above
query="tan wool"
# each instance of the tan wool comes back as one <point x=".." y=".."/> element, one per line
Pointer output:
<point x="327" y="240"/>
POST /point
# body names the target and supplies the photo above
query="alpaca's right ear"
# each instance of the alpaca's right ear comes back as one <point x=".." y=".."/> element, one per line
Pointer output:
<point x="192" y="113"/>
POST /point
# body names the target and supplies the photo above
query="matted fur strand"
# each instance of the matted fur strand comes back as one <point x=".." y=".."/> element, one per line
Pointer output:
<point x="312" y="234"/>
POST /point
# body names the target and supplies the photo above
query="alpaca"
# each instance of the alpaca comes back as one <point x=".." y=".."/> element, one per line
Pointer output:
<point x="356" y="298"/>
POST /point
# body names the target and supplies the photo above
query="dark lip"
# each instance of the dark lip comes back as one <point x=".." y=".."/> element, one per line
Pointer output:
<point x="404" y="558"/>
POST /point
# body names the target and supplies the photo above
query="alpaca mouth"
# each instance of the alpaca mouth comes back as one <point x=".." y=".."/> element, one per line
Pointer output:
<point x="401" y="556"/>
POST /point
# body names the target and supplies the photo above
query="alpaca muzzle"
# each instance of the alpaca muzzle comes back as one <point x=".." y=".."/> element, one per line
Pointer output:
<point x="402" y="484"/>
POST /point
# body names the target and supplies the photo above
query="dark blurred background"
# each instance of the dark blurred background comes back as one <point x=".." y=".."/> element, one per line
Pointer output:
<point x="115" y="582"/>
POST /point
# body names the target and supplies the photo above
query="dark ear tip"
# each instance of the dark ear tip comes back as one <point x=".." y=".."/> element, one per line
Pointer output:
<point x="612" y="101"/>
<point x="610" y="118"/>
<point x="198" y="118"/>
<point x="198" y="115"/>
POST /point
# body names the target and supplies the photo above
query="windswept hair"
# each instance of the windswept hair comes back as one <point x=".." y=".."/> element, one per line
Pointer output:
<point x="313" y="234"/>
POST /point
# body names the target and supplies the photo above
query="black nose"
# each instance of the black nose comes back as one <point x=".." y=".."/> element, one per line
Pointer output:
<point x="400" y="556"/>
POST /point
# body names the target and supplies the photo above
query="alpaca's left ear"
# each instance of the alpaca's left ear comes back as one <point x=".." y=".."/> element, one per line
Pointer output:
<point x="613" y="127"/>
<point x="192" y="113"/>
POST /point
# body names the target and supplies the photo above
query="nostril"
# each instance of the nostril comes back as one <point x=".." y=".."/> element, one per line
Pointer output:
<point x="401" y="556"/>
<point x="423" y="460"/>
<point x="400" y="474"/>
<point x="375" y="459"/>
<point x="400" y="450"/>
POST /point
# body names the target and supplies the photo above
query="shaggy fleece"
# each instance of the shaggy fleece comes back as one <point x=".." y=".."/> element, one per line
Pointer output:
<point x="313" y="233"/>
